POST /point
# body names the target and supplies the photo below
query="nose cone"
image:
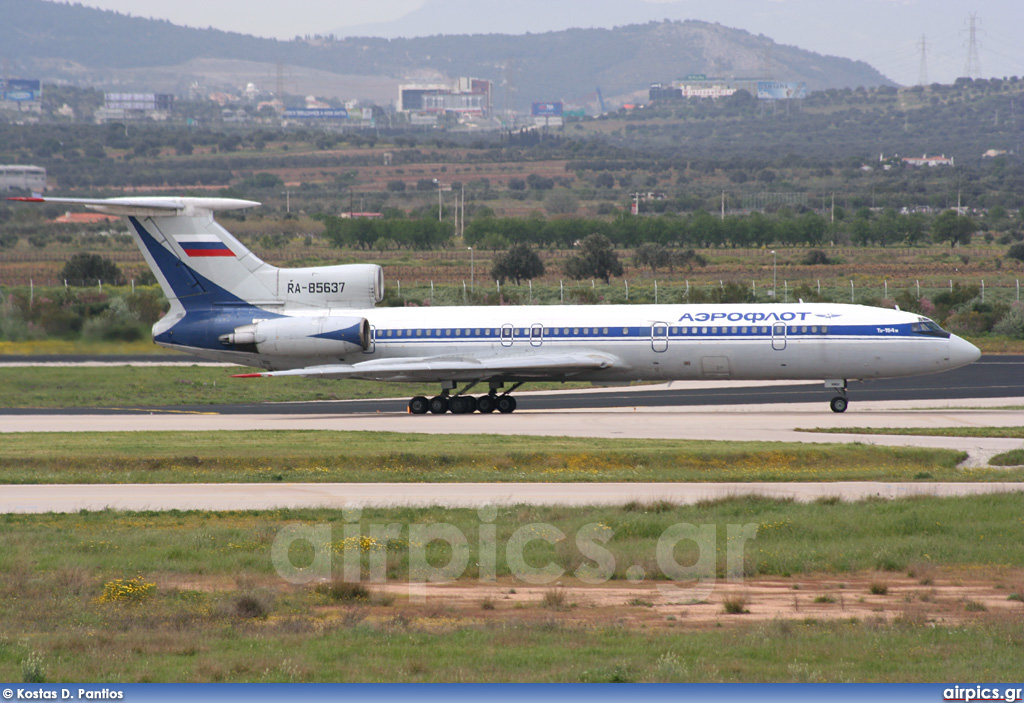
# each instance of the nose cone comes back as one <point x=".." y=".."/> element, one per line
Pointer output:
<point x="962" y="352"/>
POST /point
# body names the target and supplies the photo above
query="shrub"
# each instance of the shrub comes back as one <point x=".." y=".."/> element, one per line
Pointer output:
<point x="1016" y="251"/>
<point x="251" y="606"/>
<point x="32" y="670"/>
<point x="134" y="591"/>
<point x="554" y="599"/>
<point x="735" y="605"/>
<point x="817" y="257"/>
<point x="878" y="589"/>
<point x="343" y="591"/>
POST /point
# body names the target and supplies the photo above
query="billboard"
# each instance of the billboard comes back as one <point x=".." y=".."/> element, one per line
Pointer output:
<point x="317" y="113"/>
<point x="21" y="90"/>
<point x="781" y="90"/>
<point x="546" y="109"/>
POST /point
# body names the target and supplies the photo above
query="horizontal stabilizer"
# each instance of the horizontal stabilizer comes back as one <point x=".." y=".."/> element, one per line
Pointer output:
<point x="455" y="367"/>
<point x="155" y="206"/>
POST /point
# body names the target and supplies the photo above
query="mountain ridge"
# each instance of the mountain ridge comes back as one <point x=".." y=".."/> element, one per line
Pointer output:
<point x="79" y="44"/>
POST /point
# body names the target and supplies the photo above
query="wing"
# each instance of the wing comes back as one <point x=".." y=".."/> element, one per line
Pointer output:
<point x="459" y="368"/>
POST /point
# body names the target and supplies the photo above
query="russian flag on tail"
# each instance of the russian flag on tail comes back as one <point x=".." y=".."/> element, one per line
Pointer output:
<point x="202" y="245"/>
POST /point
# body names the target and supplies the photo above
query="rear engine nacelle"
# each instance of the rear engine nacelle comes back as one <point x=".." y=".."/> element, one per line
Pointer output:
<point x="301" y="336"/>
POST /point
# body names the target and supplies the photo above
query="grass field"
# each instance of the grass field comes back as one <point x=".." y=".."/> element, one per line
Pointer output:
<point x="216" y="611"/>
<point x="1003" y="432"/>
<point x="325" y="456"/>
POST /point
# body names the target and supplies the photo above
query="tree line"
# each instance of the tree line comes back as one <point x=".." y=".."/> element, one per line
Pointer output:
<point x="702" y="230"/>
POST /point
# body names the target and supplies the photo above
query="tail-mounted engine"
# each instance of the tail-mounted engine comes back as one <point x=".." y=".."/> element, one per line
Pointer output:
<point x="301" y="336"/>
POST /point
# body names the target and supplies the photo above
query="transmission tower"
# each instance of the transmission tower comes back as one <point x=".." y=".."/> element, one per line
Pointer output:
<point x="922" y="71"/>
<point x="972" y="69"/>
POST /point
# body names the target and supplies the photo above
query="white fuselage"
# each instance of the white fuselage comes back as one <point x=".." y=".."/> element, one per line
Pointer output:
<point x="656" y="342"/>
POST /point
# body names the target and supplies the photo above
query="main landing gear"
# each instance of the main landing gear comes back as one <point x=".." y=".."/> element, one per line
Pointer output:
<point x="840" y="402"/>
<point x="461" y="404"/>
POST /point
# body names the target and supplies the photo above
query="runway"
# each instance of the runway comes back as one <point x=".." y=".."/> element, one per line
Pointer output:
<point x="990" y="377"/>
<point x="992" y="394"/>
<point x="265" y="496"/>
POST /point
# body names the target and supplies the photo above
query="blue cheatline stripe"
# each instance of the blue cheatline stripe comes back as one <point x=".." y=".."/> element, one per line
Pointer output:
<point x="424" y="334"/>
<point x="202" y="245"/>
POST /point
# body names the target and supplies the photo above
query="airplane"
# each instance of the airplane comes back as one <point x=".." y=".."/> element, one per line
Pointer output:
<point x="228" y="305"/>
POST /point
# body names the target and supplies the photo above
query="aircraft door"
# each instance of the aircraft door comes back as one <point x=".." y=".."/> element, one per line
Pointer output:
<point x="506" y="335"/>
<point x="659" y="336"/>
<point x="536" y="335"/>
<point x="778" y="336"/>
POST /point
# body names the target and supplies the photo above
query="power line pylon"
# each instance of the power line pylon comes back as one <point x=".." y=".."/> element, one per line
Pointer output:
<point x="922" y="71"/>
<point x="972" y="69"/>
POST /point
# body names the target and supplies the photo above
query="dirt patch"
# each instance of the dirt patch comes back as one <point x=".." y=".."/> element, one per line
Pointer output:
<point x="950" y="597"/>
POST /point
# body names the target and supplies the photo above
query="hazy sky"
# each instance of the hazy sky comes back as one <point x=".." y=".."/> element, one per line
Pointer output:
<point x="884" y="33"/>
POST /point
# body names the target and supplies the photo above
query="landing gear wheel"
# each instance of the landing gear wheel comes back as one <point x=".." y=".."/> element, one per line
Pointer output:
<point x="438" y="405"/>
<point x="839" y="404"/>
<point x="506" y="404"/>
<point x="486" y="404"/>
<point x="419" y="405"/>
<point x="461" y="404"/>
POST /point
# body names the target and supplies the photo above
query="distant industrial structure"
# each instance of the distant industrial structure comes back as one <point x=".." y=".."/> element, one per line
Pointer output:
<point x="31" y="179"/>
<point x="698" y="85"/>
<point x="464" y="97"/>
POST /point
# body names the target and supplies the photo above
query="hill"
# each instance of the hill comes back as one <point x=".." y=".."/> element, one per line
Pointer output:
<point x="57" y="41"/>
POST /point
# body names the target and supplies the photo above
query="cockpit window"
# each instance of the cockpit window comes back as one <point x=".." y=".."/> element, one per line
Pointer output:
<point x="927" y="327"/>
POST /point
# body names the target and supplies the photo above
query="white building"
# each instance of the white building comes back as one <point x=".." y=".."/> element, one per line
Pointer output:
<point x="29" y="178"/>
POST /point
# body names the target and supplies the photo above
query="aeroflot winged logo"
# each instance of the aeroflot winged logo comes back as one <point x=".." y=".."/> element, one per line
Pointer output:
<point x="202" y="245"/>
<point x="753" y="316"/>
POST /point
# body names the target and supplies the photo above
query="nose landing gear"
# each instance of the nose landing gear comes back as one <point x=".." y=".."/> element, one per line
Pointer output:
<point x="840" y="402"/>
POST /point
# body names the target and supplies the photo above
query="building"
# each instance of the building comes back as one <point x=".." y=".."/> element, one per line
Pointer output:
<point x="134" y="106"/>
<point x="926" y="160"/>
<point x="693" y="86"/>
<point x="697" y="85"/>
<point x="466" y="96"/>
<point x="27" y="178"/>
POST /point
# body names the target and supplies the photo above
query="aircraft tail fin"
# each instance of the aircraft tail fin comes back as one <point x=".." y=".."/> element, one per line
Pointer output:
<point x="196" y="261"/>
